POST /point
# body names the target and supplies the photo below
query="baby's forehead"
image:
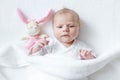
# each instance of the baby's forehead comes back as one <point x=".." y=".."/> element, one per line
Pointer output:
<point x="66" y="13"/>
<point x="66" y="16"/>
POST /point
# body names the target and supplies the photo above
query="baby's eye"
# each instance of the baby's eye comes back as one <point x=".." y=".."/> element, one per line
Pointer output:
<point x="59" y="26"/>
<point x="71" y="26"/>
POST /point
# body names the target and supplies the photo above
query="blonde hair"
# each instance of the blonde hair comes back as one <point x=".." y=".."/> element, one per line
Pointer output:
<point x="66" y="10"/>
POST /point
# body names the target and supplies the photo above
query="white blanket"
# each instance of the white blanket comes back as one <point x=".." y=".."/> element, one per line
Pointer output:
<point x="15" y="64"/>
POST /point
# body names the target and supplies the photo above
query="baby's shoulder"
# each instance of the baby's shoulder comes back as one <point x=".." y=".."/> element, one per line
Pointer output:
<point x="79" y="42"/>
<point x="82" y="44"/>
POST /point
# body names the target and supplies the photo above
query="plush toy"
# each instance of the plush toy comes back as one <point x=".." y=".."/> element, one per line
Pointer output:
<point x="33" y="29"/>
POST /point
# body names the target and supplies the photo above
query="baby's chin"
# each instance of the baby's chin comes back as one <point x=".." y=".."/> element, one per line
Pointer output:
<point x="66" y="40"/>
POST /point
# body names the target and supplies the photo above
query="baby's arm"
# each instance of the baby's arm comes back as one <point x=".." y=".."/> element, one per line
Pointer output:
<point x="86" y="54"/>
<point x="39" y="45"/>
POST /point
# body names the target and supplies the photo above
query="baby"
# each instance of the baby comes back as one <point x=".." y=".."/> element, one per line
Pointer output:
<point x="66" y="28"/>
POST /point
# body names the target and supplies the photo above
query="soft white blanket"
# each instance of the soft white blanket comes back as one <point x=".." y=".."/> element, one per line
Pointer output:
<point x="15" y="64"/>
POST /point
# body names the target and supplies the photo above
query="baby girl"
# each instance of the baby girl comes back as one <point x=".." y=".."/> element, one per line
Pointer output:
<point x="66" y="28"/>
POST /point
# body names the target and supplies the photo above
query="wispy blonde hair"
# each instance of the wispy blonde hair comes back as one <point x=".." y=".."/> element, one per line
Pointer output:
<point x="66" y="10"/>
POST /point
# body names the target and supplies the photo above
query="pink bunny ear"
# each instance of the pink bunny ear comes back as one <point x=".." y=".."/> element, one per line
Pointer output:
<point x="21" y="15"/>
<point x="46" y="17"/>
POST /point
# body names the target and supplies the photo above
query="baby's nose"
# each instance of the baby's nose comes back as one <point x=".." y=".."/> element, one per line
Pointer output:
<point x="65" y="28"/>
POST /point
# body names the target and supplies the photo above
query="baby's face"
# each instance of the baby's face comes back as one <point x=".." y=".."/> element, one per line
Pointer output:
<point x="65" y="27"/>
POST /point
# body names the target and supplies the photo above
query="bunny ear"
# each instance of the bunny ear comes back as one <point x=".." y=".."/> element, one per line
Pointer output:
<point x="21" y="15"/>
<point x="46" y="17"/>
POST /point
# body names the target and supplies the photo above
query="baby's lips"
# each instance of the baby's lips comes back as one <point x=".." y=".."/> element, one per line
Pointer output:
<point x="65" y="35"/>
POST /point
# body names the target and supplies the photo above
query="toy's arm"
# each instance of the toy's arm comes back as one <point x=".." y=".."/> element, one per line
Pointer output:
<point x="43" y="36"/>
<point x="25" y="38"/>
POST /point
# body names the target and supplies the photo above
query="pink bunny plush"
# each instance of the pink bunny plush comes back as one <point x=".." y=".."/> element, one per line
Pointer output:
<point x="33" y="29"/>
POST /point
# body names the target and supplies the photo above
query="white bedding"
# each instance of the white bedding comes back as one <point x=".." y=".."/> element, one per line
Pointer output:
<point x="100" y="25"/>
<point x="16" y="64"/>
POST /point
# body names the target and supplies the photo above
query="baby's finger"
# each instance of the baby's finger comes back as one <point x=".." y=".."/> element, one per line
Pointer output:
<point x="46" y="40"/>
<point x="37" y="45"/>
<point x="82" y="56"/>
<point x="40" y="44"/>
<point x="43" y="42"/>
<point x="82" y="53"/>
<point x="87" y="53"/>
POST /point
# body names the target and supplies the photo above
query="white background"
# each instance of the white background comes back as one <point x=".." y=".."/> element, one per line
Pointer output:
<point x="100" y="25"/>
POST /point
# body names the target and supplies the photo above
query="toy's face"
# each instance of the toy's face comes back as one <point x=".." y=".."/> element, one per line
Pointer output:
<point x="33" y="28"/>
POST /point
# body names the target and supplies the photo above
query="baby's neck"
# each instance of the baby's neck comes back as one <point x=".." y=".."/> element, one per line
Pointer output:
<point x="68" y="44"/>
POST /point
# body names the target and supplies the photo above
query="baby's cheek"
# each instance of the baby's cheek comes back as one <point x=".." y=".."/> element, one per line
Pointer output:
<point x="57" y="33"/>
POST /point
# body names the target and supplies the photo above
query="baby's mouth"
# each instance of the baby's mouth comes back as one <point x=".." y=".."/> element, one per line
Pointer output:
<point x="65" y="35"/>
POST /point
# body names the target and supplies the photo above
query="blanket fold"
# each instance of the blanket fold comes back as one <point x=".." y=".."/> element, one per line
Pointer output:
<point x="56" y="65"/>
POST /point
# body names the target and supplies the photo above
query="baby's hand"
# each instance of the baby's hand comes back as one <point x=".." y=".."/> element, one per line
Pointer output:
<point x="39" y="45"/>
<point x="85" y="54"/>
